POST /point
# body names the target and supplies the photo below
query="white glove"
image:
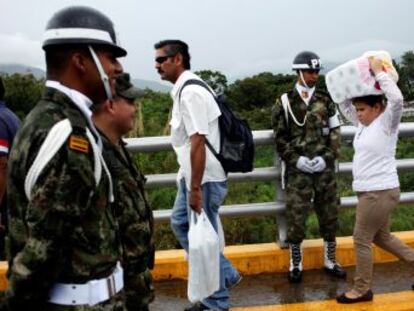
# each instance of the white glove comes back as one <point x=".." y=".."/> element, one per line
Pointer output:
<point x="318" y="164"/>
<point x="304" y="164"/>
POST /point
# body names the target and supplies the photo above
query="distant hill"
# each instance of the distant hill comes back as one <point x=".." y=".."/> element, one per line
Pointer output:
<point x="39" y="74"/>
<point x="152" y="85"/>
<point x="21" y="69"/>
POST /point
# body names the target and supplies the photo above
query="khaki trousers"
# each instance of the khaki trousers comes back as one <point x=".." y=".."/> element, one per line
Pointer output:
<point x="373" y="225"/>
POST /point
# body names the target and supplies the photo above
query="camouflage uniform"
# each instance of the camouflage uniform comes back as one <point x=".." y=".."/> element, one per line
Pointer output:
<point x="136" y="225"/>
<point x="313" y="139"/>
<point x="67" y="232"/>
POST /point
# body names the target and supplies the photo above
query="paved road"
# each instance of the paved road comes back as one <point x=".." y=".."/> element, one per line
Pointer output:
<point x="272" y="289"/>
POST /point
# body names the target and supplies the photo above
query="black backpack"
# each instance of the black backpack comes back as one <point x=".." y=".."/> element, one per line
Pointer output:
<point x="236" y="139"/>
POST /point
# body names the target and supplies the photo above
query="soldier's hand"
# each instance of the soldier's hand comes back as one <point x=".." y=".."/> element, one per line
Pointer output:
<point x="304" y="164"/>
<point x="196" y="199"/>
<point x="319" y="164"/>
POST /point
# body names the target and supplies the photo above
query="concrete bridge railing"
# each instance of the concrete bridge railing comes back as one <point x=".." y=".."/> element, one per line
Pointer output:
<point x="275" y="208"/>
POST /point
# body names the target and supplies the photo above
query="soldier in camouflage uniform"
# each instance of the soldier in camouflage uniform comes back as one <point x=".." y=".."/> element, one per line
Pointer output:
<point x="64" y="247"/>
<point x="307" y="137"/>
<point x="114" y="119"/>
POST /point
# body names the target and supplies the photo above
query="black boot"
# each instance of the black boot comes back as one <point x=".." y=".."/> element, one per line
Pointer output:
<point x="295" y="269"/>
<point x="331" y="265"/>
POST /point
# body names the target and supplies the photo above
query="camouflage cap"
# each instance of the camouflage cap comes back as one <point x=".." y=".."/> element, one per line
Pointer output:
<point x="124" y="88"/>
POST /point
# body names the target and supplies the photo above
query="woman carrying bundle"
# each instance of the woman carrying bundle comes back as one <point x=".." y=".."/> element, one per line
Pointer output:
<point x="375" y="178"/>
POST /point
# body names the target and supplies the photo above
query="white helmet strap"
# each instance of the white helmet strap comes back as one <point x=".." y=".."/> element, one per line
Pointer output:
<point x="104" y="76"/>
<point x="303" y="79"/>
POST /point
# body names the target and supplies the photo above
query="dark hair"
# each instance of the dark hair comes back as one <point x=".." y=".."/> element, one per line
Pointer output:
<point x="370" y="100"/>
<point x="174" y="47"/>
<point x="2" y="91"/>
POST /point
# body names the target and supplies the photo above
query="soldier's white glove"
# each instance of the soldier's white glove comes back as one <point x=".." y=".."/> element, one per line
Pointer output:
<point x="318" y="164"/>
<point x="305" y="165"/>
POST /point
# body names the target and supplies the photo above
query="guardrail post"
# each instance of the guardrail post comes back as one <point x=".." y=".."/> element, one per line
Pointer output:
<point x="280" y="216"/>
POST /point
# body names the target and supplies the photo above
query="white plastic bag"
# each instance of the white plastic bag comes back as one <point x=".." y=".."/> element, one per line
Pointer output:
<point x="354" y="78"/>
<point x="203" y="258"/>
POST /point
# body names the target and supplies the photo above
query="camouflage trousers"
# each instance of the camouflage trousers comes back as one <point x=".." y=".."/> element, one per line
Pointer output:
<point x="139" y="291"/>
<point x="301" y="188"/>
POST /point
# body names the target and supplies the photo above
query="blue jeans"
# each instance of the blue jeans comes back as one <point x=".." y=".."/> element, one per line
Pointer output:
<point x="213" y="195"/>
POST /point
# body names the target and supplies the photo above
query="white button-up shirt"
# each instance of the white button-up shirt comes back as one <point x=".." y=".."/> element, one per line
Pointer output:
<point x="196" y="112"/>
<point x="374" y="166"/>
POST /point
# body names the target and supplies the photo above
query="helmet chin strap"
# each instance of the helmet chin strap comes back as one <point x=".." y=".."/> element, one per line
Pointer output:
<point x="303" y="79"/>
<point x="104" y="76"/>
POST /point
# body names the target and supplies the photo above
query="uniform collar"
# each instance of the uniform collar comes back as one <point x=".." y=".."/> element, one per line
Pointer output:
<point x="303" y="89"/>
<point x="81" y="101"/>
<point x="186" y="75"/>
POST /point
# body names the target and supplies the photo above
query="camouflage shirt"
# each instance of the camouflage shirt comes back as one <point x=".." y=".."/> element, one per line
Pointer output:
<point x="136" y="224"/>
<point x="67" y="232"/>
<point x="315" y="138"/>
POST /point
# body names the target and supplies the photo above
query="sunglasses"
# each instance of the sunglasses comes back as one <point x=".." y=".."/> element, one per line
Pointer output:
<point x="162" y="59"/>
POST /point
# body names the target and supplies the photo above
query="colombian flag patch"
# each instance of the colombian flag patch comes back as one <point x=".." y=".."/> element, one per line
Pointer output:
<point x="79" y="143"/>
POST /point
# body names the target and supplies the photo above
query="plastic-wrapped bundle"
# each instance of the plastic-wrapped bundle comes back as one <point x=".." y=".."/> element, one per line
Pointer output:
<point x="355" y="79"/>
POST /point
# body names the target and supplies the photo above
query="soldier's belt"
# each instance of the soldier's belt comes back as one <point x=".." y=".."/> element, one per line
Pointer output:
<point x="90" y="293"/>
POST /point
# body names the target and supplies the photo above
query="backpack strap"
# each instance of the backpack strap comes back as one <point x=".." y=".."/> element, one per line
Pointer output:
<point x="196" y="82"/>
<point x="204" y="85"/>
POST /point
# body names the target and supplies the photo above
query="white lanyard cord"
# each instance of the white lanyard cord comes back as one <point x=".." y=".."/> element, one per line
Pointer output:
<point x="294" y="118"/>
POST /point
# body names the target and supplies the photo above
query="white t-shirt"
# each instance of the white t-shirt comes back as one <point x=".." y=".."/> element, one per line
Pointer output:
<point x="197" y="112"/>
<point x="374" y="167"/>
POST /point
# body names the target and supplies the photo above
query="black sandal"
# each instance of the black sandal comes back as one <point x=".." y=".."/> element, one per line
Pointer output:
<point x="368" y="296"/>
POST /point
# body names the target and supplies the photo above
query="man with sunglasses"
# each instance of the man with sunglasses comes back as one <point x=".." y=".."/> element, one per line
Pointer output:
<point x="202" y="182"/>
<point x="114" y="119"/>
<point x="307" y="137"/>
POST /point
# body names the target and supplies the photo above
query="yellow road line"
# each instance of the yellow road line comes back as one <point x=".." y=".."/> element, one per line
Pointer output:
<point x="400" y="301"/>
<point x="254" y="259"/>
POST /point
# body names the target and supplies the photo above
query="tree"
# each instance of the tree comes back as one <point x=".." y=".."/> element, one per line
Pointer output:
<point x="406" y="72"/>
<point x="215" y="79"/>
<point x="23" y="91"/>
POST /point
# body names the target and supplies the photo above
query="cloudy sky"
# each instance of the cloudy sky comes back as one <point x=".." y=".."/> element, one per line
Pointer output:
<point x="237" y="37"/>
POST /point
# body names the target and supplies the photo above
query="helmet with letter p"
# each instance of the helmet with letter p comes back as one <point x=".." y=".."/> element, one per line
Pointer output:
<point x="307" y="60"/>
<point x="81" y="25"/>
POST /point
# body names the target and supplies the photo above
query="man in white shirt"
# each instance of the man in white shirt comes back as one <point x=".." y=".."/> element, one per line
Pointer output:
<point x="202" y="182"/>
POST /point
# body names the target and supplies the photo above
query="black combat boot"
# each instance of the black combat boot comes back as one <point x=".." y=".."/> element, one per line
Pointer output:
<point x="331" y="265"/>
<point x="295" y="269"/>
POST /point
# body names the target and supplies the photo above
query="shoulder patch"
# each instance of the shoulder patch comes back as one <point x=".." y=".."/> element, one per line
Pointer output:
<point x="78" y="143"/>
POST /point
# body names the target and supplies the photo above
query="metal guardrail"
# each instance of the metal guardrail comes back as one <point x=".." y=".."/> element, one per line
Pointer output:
<point x="276" y="208"/>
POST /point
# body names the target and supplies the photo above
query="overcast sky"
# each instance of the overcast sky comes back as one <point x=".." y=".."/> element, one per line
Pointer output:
<point x="237" y="37"/>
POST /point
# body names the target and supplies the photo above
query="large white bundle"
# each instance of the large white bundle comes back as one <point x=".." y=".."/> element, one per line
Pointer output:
<point x="355" y="79"/>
